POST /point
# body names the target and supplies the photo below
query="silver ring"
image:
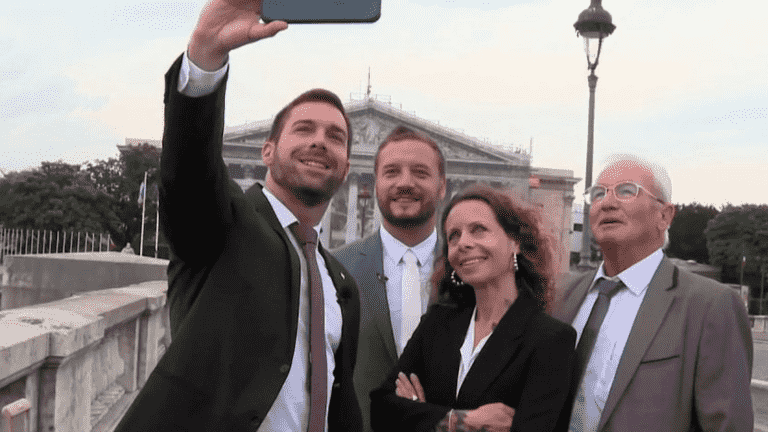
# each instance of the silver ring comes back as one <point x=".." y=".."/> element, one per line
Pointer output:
<point x="414" y="398"/>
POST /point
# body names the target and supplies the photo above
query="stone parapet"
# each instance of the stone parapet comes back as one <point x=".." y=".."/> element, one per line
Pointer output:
<point x="34" y="279"/>
<point x="78" y="359"/>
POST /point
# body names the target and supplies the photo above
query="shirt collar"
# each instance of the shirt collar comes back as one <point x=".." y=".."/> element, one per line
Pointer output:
<point x="395" y="249"/>
<point x="639" y="275"/>
<point x="284" y="216"/>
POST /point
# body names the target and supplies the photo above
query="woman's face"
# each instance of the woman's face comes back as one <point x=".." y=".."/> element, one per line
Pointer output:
<point x="478" y="248"/>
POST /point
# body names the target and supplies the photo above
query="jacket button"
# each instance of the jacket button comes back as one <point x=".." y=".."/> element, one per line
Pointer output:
<point x="285" y="368"/>
<point x="255" y="421"/>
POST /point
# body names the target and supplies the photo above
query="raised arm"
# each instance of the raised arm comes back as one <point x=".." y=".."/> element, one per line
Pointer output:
<point x="195" y="192"/>
<point x="225" y="25"/>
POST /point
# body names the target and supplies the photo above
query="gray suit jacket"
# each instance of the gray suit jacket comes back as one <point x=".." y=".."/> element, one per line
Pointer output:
<point x="688" y="362"/>
<point x="376" y="350"/>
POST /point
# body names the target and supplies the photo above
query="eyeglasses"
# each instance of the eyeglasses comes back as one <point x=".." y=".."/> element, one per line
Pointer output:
<point x="625" y="191"/>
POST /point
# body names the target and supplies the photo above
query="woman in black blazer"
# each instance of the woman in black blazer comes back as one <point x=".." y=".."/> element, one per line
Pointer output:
<point x="486" y="356"/>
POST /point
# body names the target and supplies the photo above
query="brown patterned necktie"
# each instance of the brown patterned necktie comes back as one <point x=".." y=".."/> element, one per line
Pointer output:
<point x="318" y="370"/>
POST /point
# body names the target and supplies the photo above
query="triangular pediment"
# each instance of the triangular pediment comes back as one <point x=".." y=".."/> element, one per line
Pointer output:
<point x="373" y="120"/>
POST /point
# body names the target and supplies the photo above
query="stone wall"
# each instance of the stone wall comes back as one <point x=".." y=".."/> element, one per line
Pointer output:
<point x="80" y="361"/>
<point x="35" y="279"/>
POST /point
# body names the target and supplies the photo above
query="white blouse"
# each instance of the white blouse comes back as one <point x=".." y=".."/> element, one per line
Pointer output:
<point x="469" y="351"/>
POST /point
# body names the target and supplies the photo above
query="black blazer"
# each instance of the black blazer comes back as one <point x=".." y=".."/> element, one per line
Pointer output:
<point x="233" y="290"/>
<point x="526" y="364"/>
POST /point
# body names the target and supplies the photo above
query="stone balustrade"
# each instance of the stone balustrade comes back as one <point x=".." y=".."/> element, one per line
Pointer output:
<point x="79" y="361"/>
<point x="759" y="323"/>
<point x="75" y="364"/>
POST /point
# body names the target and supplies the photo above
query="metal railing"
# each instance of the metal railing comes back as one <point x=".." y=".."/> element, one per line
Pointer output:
<point x="24" y="241"/>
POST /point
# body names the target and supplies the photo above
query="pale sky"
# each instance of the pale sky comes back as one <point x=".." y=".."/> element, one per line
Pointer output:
<point x="682" y="83"/>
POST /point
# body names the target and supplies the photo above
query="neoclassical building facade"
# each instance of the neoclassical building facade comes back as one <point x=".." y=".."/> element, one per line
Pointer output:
<point x="468" y="160"/>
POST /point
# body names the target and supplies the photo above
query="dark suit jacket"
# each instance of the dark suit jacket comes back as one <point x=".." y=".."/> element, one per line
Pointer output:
<point x="233" y="291"/>
<point x="526" y="364"/>
<point x="376" y="351"/>
<point x="687" y="364"/>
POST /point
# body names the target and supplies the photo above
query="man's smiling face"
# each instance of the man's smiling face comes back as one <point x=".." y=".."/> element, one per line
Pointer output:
<point x="310" y="159"/>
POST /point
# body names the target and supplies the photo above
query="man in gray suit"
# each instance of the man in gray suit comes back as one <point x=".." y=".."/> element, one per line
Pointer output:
<point x="673" y="351"/>
<point x="393" y="265"/>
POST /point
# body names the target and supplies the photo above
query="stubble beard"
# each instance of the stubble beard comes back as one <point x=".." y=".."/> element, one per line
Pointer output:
<point x="286" y="174"/>
<point x="406" y="222"/>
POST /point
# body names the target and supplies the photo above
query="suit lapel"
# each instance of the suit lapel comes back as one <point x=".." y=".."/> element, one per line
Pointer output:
<point x="373" y="272"/>
<point x="574" y="297"/>
<point x="656" y="303"/>
<point x="498" y="350"/>
<point x="260" y="203"/>
<point x="342" y="280"/>
<point x="446" y="369"/>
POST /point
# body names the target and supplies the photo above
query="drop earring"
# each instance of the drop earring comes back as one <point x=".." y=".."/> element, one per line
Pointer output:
<point x="514" y="261"/>
<point x="455" y="279"/>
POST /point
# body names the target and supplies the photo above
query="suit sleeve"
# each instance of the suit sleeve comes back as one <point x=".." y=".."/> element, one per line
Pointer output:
<point x="547" y="381"/>
<point x="390" y="412"/>
<point x="194" y="185"/>
<point x="722" y="398"/>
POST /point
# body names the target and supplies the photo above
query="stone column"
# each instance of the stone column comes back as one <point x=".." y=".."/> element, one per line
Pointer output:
<point x="151" y="333"/>
<point x="351" y="235"/>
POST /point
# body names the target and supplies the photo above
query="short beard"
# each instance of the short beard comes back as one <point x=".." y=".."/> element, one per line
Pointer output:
<point x="311" y="197"/>
<point x="407" y="222"/>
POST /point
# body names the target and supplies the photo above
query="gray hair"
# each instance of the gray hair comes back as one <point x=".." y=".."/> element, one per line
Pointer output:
<point x="661" y="179"/>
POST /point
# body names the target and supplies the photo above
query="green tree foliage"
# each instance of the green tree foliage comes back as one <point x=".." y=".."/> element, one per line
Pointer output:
<point x="686" y="235"/>
<point x="121" y="179"/>
<point x="56" y="196"/>
<point x="737" y="231"/>
<point x="740" y="231"/>
<point x="100" y="197"/>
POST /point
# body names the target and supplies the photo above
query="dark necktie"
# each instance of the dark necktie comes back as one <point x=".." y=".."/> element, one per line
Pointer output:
<point x="318" y="369"/>
<point x="606" y="289"/>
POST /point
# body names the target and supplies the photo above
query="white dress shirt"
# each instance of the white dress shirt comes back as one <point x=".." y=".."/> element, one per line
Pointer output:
<point x="290" y="411"/>
<point x="611" y="339"/>
<point x="195" y="82"/>
<point x="393" y="251"/>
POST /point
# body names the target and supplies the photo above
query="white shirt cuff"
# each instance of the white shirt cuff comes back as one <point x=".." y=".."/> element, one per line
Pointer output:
<point x="195" y="82"/>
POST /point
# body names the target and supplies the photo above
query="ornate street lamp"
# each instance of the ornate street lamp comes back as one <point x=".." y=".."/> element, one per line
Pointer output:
<point x="593" y="25"/>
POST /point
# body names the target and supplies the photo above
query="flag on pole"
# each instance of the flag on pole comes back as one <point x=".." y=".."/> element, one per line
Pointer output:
<point x="743" y="260"/>
<point x="142" y="191"/>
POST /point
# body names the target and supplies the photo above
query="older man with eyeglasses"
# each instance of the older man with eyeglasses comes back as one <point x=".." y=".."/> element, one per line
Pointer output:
<point x="659" y="348"/>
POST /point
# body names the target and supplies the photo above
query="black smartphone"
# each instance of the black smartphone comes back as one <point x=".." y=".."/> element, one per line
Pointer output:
<point x="321" y="11"/>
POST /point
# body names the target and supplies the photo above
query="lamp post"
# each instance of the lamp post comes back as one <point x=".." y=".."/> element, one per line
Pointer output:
<point x="593" y="25"/>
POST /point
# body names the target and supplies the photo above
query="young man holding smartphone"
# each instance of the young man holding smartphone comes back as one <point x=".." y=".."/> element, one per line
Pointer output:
<point x="264" y="321"/>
